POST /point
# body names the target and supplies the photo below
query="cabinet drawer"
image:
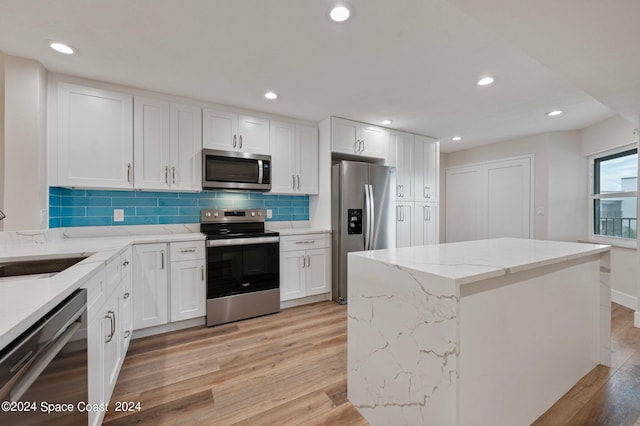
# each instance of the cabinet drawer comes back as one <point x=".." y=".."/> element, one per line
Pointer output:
<point x="304" y="242"/>
<point x="187" y="250"/>
<point x="96" y="292"/>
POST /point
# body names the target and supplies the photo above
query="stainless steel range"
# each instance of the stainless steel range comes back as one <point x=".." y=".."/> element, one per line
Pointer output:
<point x="243" y="266"/>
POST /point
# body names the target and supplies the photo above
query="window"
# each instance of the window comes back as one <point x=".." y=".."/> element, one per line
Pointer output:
<point x="614" y="192"/>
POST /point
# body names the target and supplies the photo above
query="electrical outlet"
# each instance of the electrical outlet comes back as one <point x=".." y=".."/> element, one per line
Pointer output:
<point x="118" y="215"/>
<point x="269" y="213"/>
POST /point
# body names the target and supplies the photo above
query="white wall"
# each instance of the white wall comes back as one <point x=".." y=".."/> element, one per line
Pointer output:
<point x="607" y="134"/>
<point x="553" y="191"/>
<point x="25" y="149"/>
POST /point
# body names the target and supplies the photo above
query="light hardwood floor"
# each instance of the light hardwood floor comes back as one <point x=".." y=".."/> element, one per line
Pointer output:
<point x="290" y="369"/>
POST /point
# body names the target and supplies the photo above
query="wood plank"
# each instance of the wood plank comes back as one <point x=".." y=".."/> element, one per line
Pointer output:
<point x="290" y="369"/>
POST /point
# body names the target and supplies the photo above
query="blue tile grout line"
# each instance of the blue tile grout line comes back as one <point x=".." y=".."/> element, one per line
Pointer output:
<point x="89" y="207"/>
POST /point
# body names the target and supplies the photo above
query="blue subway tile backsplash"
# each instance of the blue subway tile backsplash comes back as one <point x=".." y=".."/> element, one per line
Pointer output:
<point x="79" y="207"/>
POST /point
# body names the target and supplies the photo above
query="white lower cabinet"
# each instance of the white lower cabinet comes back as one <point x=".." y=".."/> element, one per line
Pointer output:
<point x="417" y="224"/>
<point x="305" y="265"/>
<point x="169" y="283"/>
<point x="150" y="285"/>
<point x="404" y="225"/>
<point x="108" y="330"/>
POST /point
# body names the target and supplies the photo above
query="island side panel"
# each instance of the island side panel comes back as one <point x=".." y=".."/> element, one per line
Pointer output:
<point x="401" y="344"/>
<point x="526" y="339"/>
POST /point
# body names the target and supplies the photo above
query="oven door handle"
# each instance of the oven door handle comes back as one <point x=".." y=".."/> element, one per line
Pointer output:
<point x="241" y="241"/>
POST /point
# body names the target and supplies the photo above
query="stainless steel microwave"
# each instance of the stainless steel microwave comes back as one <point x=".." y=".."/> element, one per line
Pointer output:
<point x="235" y="170"/>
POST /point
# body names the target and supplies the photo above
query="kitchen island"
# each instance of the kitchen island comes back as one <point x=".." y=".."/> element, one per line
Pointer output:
<point x="478" y="332"/>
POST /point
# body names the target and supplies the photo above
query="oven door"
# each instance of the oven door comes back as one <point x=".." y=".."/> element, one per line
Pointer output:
<point x="242" y="265"/>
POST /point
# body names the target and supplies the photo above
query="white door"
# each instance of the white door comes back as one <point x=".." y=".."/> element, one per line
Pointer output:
<point x="150" y="285"/>
<point x="151" y="143"/>
<point x="307" y="159"/>
<point x="404" y="224"/>
<point x="283" y="158"/>
<point x="292" y="274"/>
<point x="318" y="271"/>
<point x="186" y="147"/>
<point x="489" y="200"/>
<point x="404" y="161"/>
<point x="344" y="134"/>
<point x="375" y="141"/>
<point x="464" y="204"/>
<point x="508" y="199"/>
<point x="427" y="152"/>
<point x="219" y="130"/>
<point x="95" y="137"/>
<point x="253" y="135"/>
<point x="188" y="290"/>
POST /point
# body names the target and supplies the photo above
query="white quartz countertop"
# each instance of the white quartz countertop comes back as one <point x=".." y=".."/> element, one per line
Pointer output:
<point x="471" y="261"/>
<point x="301" y="231"/>
<point x="24" y="300"/>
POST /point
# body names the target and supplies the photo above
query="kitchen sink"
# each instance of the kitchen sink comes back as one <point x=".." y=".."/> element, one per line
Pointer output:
<point x="46" y="267"/>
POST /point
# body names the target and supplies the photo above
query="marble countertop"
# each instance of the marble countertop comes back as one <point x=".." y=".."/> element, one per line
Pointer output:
<point x="300" y="231"/>
<point x="470" y="261"/>
<point x="24" y="300"/>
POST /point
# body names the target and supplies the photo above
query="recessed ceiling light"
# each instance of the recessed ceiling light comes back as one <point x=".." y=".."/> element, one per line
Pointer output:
<point x="456" y="138"/>
<point x="271" y="95"/>
<point x="61" y="47"/>
<point x="555" y="112"/>
<point x="485" y="81"/>
<point x="386" y="122"/>
<point x="340" y="13"/>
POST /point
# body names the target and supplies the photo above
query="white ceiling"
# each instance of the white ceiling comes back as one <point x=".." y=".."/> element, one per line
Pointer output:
<point x="415" y="62"/>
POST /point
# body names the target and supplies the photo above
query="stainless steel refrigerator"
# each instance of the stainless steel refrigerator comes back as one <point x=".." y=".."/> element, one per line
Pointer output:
<point x="363" y="214"/>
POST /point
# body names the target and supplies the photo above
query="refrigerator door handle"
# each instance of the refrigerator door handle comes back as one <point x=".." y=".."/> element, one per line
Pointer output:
<point x="367" y="203"/>
<point x="373" y="218"/>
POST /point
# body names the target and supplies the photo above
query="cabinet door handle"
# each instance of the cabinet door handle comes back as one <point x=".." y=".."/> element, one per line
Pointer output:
<point x="127" y="334"/>
<point x="424" y="213"/>
<point x="188" y="250"/>
<point x="112" y="325"/>
<point x="129" y="172"/>
<point x="356" y="146"/>
<point x="126" y="295"/>
<point x="293" y="178"/>
<point x="402" y="191"/>
<point x="308" y="261"/>
<point x="240" y="141"/>
<point x="162" y="259"/>
<point x="202" y="272"/>
<point x="306" y="242"/>
<point x="362" y="149"/>
<point x="298" y="181"/>
<point x="173" y="174"/>
<point x="303" y="261"/>
<point x="125" y="263"/>
<point x="429" y="213"/>
<point x="166" y="175"/>
<point x="427" y="192"/>
<point x="234" y="141"/>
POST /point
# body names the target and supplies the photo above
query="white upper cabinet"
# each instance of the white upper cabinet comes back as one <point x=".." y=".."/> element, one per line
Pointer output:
<point x="294" y="159"/>
<point x="151" y="143"/>
<point x="186" y="147"/>
<point x="404" y="164"/>
<point x="94" y="137"/>
<point x="426" y="169"/>
<point x="227" y="131"/>
<point x="351" y="137"/>
<point x="167" y="144"/>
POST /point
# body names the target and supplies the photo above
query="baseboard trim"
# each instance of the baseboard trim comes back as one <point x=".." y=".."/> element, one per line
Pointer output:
<point x="625" y="300"/>
<point x="636" y="322"/>
<point x="173" y="326"/>
<point x="305" y="300"/>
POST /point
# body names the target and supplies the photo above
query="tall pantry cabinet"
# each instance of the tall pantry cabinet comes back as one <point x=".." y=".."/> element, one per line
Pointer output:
<point x="417" y="189"/>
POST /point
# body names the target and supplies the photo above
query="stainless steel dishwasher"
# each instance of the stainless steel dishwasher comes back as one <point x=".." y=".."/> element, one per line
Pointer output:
<point x="43" y="372"/>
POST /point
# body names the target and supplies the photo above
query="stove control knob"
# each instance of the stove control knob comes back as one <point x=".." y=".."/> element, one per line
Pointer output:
<point x="215" y="214"/>
<point x="253" y="214"/>
<point x="259" y="213"/>
<point x="208" y="214"/>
